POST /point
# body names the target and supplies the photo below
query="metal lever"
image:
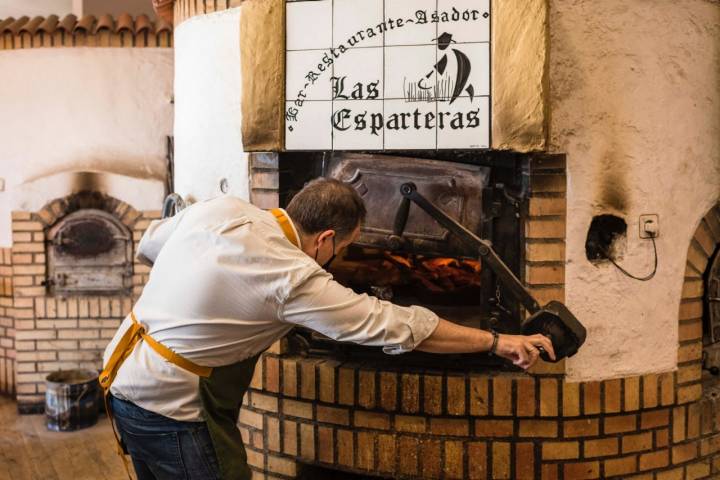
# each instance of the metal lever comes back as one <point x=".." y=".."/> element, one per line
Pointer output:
<point x="554" y="320"/>
<point x="484" y="248"/>
<point x="395" y="241"/>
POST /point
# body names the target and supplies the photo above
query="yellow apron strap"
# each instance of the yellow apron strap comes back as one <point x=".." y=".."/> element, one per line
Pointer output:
<point x="126" y="345"/>
<point x="123" y="349"/>
<point x="285" y="225"/>
<point x="178" y="360"/>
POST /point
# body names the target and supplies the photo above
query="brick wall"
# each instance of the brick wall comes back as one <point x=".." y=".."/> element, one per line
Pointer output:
<point x="7" y="325"/>
<point x="401" y="423"/>
<point x="62" y="332"/>
<point x="437" y="424"/>
<point x="264" y="179"/>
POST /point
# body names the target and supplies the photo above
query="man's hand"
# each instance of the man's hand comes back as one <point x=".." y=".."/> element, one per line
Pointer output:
<point x="522" y="350"/>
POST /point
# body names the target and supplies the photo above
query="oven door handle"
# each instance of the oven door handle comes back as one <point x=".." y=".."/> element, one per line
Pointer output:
<point x="483" y="247"/>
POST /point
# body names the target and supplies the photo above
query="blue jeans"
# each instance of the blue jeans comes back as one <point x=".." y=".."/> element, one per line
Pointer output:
<point x="162" y="448"/>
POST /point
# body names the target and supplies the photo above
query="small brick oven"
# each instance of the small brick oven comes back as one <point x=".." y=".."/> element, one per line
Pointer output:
<point x="62" y="302"/>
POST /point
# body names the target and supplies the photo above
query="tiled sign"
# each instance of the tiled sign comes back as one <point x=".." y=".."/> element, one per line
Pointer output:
<point x="387" y="74"/>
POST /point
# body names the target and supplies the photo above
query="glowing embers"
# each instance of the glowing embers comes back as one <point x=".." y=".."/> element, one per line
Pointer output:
<point x="436" y="280"/>
<point x="439" y="274"/>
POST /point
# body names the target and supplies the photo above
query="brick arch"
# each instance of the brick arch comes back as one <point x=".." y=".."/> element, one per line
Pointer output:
<point x="58" y="208"/>
<point x="704" y="243"/>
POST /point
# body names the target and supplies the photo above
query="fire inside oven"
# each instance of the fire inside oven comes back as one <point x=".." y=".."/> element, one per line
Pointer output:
<point x="406" y="256"/>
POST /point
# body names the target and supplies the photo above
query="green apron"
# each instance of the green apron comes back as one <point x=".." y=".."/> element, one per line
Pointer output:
<point x="221" y="395"/>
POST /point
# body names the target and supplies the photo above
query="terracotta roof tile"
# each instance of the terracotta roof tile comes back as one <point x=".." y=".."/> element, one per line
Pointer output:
<point x="32" y="25"/>
<point x="50" y="24"/>
<point x="68" y="23"/>
<point x="14" y="27"/>
<point x="125" y="22"/>
<point x="6" y="23"/>
<point x="105" y="22"/>
<point x="86" y="23"/>
<point x="105" y="31"/>
<point x="163" y="26"/>
<point x="142" y="22"/>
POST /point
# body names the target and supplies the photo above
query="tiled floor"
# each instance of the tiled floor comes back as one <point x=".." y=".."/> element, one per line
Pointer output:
<point x="29" y="451"/>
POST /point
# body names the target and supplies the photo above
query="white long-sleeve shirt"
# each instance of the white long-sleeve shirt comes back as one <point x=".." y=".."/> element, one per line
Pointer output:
<point x="225" y="285"/>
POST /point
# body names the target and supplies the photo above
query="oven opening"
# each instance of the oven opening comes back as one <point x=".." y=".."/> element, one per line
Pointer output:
<point x="450" y="284"/>
<point x="421" y="263"/>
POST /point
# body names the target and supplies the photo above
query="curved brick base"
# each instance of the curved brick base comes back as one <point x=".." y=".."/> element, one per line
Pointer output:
<point x="449" y="425"/>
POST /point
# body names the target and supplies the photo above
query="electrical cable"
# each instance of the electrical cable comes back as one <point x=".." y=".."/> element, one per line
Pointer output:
<point x="646" y="277"/>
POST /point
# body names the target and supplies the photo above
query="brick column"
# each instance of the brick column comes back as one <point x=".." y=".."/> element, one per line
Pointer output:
<point x="7" y="325"/>
<point x="264" y="179"/>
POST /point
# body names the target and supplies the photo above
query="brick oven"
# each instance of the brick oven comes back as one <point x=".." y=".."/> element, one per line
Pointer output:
<point x="315" y="414"/>
<point x="578" y="101"/>
<point x="64" y="299"/>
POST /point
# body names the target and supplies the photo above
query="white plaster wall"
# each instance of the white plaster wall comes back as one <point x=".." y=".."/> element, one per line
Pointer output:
<point x="18" y="8"/>
<point x="208" y="141"/>
<point x="635" y="104"/>
<point x="82" y="109"/>
<point x="141" y="193"/>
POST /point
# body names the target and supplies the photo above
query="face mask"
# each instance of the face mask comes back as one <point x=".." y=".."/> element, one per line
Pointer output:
<point x="326" y="264"/>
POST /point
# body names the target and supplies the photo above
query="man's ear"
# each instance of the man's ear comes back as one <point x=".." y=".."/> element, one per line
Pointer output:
<point x="326" y="235"/>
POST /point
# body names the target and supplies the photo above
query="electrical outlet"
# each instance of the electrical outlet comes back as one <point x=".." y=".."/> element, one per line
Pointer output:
<point x="650" y="225"/>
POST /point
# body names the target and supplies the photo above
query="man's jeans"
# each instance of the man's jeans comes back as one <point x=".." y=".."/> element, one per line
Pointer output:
<point x="162" y="448"/>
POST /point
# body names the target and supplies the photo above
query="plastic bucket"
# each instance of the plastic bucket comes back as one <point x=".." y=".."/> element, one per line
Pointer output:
<point x="72" y="398"/>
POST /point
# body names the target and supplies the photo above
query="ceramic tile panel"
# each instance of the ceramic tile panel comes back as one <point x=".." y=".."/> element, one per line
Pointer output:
<point x="308" y="25"/>
<point x="355" y="23"/>
<point x="465" y="20"/>
<point x="464" y="123"/>
<point x="304" y="79"/>
<point x="409" y="72"/>
<point x="358" y="75"/>
<point x="409" y="125"/>
<point x="388" y="74"/>
<point x="358" y="125"/>
<point x="311" y="133"/>
<point x="464" y="66"/>
<point x="410" y="32"/>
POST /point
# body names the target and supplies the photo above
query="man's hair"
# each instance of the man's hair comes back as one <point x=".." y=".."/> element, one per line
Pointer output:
<point x="327" y="204"/>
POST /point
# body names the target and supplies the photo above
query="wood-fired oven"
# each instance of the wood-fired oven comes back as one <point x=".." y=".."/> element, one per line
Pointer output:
<point x="89" y="252"/>
<point x="406" y="256"/>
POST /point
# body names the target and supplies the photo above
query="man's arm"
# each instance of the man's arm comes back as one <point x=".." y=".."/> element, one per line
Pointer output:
<point x="449" y="337"/>
<point x="323" y="305"/>
<point x="157" y="233"/>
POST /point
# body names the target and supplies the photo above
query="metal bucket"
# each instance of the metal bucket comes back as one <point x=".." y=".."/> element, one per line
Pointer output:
<point x="72" y="398"/>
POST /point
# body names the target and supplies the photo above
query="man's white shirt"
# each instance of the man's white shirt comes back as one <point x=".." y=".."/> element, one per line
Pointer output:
<point x="224" y="286"/>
